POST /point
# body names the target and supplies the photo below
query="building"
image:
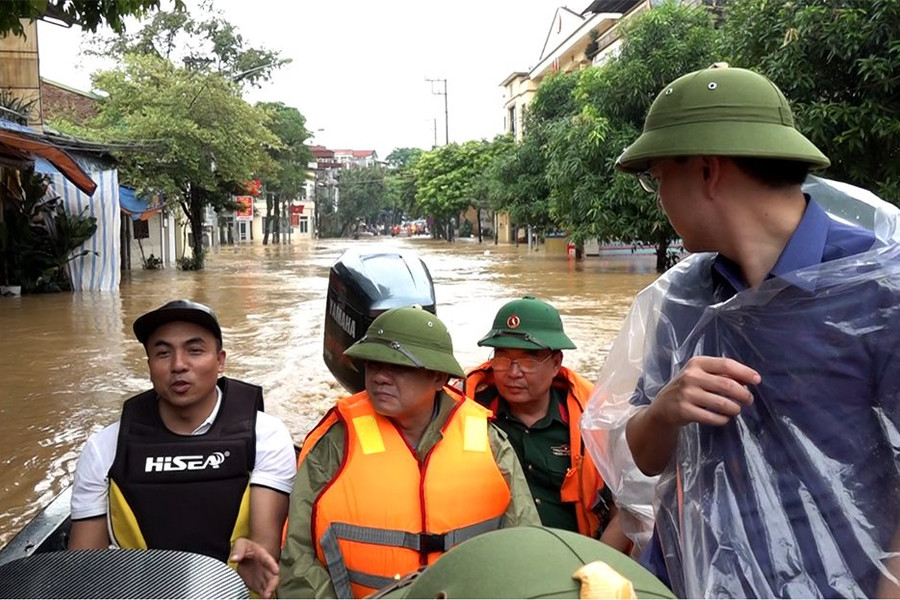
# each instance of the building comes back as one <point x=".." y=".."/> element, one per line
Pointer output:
<point x="574" y="41"/>
<point x="61" y="101"/>
<point x="349" y="159"/>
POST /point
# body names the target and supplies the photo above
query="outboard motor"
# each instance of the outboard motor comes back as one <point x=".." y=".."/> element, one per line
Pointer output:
<point x="363" y="283"/>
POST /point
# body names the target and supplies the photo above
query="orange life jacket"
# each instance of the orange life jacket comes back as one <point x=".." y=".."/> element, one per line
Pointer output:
<point x="582" y="481"/>
<point x="386" y="514"/>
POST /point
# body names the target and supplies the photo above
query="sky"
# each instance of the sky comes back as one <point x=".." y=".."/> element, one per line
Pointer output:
<point x="359" y="68"/>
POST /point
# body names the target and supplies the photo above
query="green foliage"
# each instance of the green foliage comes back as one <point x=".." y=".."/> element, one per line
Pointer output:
<point x="38" y="238"/>
<point x="451" y="178"/>
<point x="152" y="263"/>
<point x="401" y="184"/>
<point x="400" y="158"/>
<point x="86" y="14"/>
<point x="207" y="43"/>
<point x="192" y="263"/>
<point x="837" y="63"/>
<point x="361" y="193"/>
<point x="292" y="157"/>
<point x="201" y="140"/>
<point x="176" y="98"/>
<point x="17" y="109"/>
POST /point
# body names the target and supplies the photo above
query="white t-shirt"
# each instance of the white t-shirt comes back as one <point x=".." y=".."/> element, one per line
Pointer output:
<point x="275" y="467"/>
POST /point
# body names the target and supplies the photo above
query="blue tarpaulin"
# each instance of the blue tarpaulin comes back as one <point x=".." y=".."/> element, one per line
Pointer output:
<point x="136" y="207"/>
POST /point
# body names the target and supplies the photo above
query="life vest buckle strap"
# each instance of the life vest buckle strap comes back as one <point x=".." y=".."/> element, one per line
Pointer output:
<point x="458" y="536"/>
<point x="376" y="582"/>
<point x="432" y="542"/>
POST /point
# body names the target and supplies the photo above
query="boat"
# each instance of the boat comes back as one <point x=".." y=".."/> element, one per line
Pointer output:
<point x="362" y="283"/>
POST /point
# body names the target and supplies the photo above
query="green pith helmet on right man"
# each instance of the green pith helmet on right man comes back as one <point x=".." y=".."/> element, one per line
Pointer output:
<point x="531" y="562"/>
<point x="411" y="337"/>
<point x="527" y="324"/>
<point x="720" y="111"/>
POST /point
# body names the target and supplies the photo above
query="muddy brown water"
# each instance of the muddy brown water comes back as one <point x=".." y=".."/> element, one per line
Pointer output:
<point x="69" y="360"/>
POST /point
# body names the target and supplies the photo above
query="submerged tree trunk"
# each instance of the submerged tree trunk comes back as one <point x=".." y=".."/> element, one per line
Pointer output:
<point x="276" y="205"/>
<point x="663" y="260"/>
<point x="478" y="224"/>
<point x="267" y="223"/>
<point x="194" y="211"/>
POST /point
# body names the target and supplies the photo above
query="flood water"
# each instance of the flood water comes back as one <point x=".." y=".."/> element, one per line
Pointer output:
<point x="69" y="360"/>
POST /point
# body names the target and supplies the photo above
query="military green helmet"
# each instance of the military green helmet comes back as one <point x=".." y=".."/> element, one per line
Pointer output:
<point x="522" y="562"/>
<point x="408" y="336"/>
<point x="527" y="324"/>
<point x="720" y="111"/>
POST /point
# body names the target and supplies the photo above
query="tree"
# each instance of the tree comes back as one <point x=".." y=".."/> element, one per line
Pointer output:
<point x="521" y="186"/>
<point x="292" y="157"/>
<point x="400" y="158"/>
<point x="361" y="198"/>
<point x="446" y="179"/>
<point x="837" y="63"/>
<point x="176" y="99"/>
<point x="86" y="14"/>
<point x="400" y="183"/>
<point x="206" y="141"/>
<point x="209" y="44"/>
<point x="589" y="198"/>
<point x="485" y="191"/>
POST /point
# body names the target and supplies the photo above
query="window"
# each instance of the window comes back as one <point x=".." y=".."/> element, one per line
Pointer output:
<point x="141" y="229"/>
<point x="304" y="224"/>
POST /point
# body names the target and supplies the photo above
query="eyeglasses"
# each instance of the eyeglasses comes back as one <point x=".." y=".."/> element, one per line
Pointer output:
<point x="649" y="182"/>
<point x="526" y="364"/>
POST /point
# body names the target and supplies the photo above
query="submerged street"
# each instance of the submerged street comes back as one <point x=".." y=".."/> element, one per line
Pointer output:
<point x="71" y="359"/>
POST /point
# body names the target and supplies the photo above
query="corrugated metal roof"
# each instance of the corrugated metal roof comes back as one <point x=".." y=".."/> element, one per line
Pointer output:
<point x="619" y="6"/>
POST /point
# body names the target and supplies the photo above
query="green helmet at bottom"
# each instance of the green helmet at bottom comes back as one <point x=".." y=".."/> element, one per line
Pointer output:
<point x="409" y="336"/>
<point x="528" y="562"/>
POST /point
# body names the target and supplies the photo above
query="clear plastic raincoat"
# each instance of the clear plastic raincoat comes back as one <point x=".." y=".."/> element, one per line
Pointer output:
<point x="799" y="495"/>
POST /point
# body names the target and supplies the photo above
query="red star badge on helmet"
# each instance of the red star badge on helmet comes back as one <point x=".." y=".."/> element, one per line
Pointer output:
<point x="513" y="321"/>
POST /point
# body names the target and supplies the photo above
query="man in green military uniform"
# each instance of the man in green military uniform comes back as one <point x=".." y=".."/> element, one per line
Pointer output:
<point x="538" y="403"/>
<point x="397" y="474"/>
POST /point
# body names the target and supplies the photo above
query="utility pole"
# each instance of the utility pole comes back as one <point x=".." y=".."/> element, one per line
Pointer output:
<point x="446" y="112"/>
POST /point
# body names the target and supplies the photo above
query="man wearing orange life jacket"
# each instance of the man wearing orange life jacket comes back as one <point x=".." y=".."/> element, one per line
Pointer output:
<point x="395" y="475"/>
<point x="539" y="403"/>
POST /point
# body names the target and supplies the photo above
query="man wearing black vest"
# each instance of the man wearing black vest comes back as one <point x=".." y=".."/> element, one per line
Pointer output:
<point x="193" y="464"/>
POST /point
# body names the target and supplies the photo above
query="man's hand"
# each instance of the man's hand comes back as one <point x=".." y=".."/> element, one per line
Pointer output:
<point x="709" y="390"/>
<point x="256" y="566"/>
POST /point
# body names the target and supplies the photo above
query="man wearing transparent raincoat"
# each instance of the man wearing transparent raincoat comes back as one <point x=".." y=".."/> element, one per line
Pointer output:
<point x="753" y="394"/>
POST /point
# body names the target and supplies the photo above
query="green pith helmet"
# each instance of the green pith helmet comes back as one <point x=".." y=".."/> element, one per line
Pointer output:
<point x="523" y="562"/>
<point x="408" y="336"/>
<point x="527" y="324"/>
<point x="720" y="111"/>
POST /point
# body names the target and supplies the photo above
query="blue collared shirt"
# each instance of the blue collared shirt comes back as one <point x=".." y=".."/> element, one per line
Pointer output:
<point x="820" y="385"/>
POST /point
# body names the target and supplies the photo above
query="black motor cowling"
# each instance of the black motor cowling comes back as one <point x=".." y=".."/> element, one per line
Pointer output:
<point x="363" y="283"/>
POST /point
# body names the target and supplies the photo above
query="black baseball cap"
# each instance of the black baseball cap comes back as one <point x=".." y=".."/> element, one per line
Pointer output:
<point x="177" y="310"/>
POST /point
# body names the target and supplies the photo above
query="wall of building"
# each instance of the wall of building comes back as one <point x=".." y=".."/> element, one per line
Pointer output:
<point x="58" y="101"/>
<point x="19" y="70"/>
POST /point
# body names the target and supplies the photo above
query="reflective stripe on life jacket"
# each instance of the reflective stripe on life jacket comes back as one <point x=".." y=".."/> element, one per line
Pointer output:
<point x="184" y="492"/>
<point x="386" y="514"/>
<point x="582" y="481"/>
